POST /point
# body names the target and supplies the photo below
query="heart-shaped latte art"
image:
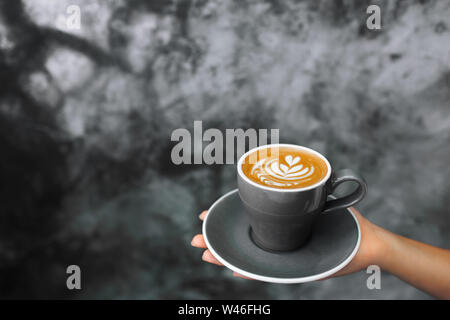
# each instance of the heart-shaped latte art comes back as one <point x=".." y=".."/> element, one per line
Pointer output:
<point x="291" y="161"/>
<point x="273" y="172"/>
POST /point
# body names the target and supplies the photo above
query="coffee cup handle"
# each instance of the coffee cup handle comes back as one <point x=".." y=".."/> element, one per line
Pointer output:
<point x="342" y="176"/>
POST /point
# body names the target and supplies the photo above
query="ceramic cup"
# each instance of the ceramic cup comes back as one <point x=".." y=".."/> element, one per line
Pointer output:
<point x="283" y="219"/>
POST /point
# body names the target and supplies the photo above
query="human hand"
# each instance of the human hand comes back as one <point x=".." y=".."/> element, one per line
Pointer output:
<point x="370" y="250"/>
<point x="419" y="264"/>
<point x="199" y="242"/>
<point x="371" y="247"/>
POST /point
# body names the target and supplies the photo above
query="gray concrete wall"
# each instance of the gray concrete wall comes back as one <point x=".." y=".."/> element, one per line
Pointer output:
<point x="86" y="117"/>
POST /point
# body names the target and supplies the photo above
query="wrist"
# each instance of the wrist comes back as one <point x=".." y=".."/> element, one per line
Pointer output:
<point x="383" y="251"/>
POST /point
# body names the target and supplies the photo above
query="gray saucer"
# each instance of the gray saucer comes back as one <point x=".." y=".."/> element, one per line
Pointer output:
<point x="333" y="244"/>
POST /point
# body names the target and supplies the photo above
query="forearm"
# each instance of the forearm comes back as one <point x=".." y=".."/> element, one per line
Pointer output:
<point x="423" y="266"/>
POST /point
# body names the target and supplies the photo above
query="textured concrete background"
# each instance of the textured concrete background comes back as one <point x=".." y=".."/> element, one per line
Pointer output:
<point x="86" y="117"/>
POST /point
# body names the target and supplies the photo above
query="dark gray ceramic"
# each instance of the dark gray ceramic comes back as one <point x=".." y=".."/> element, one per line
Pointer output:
<point x="333" y="244"/>
<point x="282" y="219"/>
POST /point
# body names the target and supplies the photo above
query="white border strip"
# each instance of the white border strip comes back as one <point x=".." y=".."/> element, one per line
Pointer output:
<point x="239" y="167"/>
<point x="273" y="279"/>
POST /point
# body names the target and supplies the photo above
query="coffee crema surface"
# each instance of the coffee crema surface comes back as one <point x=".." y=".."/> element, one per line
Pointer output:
<point x="289" y="168"/>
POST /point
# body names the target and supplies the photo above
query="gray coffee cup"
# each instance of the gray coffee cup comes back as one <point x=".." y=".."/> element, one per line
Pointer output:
<point x="283" y="219"/>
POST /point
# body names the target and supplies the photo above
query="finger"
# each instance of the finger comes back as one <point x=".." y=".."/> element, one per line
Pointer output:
<point x="203" y="214"/>
<point x="343" y="272"/>
<point x="198" y="241"/>
<point x="241" y="276"/>
<point x="355" y="212"/>
<point x="208" y="257"/>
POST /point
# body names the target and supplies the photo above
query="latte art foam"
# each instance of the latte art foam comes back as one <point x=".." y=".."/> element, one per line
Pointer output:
<point x="290" y="168"/>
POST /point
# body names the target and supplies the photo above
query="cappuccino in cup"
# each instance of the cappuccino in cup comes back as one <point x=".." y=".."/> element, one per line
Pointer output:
<point x="284" y="167"/>
<point x="284" y="188"/>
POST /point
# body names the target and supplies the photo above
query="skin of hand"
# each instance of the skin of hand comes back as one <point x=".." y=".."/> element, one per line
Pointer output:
<point x="421" y="265"/>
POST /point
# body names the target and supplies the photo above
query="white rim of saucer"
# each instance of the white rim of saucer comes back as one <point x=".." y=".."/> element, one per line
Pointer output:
<point x="274" y="279"/>
<point x="322" y="181"/>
